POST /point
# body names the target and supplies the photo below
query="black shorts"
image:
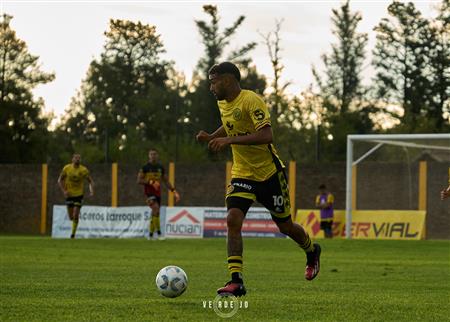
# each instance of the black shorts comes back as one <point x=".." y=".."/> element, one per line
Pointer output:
<point x="272" y="194"/>
<point x="154" y="198"/>
<point x="326" y="224"/>
<point x="74" y="201"/>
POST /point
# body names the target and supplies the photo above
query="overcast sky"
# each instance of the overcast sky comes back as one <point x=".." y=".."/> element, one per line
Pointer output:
<point x="68" y="35"/>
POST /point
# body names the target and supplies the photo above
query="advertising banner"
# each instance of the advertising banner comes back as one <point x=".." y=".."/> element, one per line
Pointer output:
<point x="369" y="224"/>
<point x="184" y="222"/>
<point x="95" y="222"/>
<point x="258" y="223"/>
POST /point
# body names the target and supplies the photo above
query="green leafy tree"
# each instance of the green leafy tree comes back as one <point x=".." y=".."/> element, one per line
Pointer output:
<point x="401" y="58"/>
<point x="345" y="108"/>
<point x="127" y="95"/>
<point x="23" y="127"/>
<point x="202" y="102"/>
<point x="439" y="54"/>
<point x="341" y="87"/>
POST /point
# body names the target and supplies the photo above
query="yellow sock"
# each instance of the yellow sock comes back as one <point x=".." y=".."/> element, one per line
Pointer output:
<point x="74" y="226"/>
<point x="235" y="264"/>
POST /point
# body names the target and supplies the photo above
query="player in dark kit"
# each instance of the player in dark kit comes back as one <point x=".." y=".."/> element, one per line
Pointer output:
<point x="257" y="173"/>
<point x="151" y="175"/>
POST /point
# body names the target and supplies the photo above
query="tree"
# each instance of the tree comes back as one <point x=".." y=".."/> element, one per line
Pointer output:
<point x="401" y="61"/>
<point x="277" y="98"/>
<point x="346" y="108"/>
<point x="439" y="75"/>
<point x="202" y="103"/>
<point x="127" y="92"/>
<point x="343" y="66"/>
<point x="23" y="128"/>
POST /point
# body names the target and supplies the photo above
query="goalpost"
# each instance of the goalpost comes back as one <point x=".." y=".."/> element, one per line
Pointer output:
<point x="378" y="141"/>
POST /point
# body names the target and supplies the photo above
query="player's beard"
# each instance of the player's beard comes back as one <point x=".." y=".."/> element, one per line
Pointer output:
<point x="219" y="95"/>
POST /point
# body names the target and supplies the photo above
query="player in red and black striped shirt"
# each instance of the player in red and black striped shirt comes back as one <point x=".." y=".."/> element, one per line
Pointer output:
<point x="151" y="175"/>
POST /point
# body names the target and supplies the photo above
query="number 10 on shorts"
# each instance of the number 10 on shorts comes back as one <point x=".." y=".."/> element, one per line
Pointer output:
<point x="277" y="200"/>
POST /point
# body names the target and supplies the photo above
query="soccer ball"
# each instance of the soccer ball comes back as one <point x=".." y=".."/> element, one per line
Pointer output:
<point x="171" y="281"/>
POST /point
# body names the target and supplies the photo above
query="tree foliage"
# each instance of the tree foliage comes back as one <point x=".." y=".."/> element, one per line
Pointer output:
<point x="345" y="108"/>
<point x="23" y="127"/>
<point x="341" y="86"/>
<point x="412" y="62"/>
<point x="127" y="97"/>
<point x="277" y="98"/>
<point x="216" y="42"/>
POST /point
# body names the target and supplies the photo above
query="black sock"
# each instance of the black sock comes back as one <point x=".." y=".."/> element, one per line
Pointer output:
<point x="237" y="278"/>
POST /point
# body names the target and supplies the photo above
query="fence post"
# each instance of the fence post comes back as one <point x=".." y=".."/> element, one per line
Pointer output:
<point x="44" y="199"/>
<point x="171" y="197"/>
<point x="114" y="183"/>
<point x="422" y="185"/>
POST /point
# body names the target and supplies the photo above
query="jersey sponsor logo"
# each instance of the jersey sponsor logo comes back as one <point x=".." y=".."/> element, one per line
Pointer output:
<point x="242" y="185"/>
<point x="237" y="114"/>
<point x="259" y="115"/>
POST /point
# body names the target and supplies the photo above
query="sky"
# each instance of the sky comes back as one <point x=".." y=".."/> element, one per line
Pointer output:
<point x="68" y="35"/>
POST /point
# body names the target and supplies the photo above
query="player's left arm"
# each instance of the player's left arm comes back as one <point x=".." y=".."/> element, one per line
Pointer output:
<point x="169" y="186"/>
<point x="91" y="183"/>
<point x="262" y="136"/>
<point x="330" y="200"/>
<point x="259" y="114"/>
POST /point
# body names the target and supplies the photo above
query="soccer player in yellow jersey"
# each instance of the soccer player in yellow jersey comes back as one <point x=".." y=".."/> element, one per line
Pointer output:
<point x="257" y="172"/>
<point x="71" y="181"/>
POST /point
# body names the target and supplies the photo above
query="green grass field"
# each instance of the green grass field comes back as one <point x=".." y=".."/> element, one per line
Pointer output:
<point x="113" y="280"/>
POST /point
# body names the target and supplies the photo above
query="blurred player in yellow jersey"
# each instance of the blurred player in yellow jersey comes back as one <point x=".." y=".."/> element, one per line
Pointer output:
<point x="71" y="181"/>
<point x="257" y="173"/>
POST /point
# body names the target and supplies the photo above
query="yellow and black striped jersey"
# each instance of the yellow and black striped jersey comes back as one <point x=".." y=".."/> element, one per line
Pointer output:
<point x="246" y="114"/>
<point x="74" y="179"/>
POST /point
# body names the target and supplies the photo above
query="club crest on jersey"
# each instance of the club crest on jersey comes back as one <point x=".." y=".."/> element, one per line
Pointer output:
<point x="259" y="114"/>
<point x="230" y="189"/>
<point x="237" y="114"/>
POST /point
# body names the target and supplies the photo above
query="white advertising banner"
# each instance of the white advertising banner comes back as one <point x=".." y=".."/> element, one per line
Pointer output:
<point x="184" y="222"/>
<point x="95" y="222"/>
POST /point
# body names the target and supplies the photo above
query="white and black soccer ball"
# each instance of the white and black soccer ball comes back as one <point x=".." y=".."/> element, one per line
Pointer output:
<point x="171" y="281"/>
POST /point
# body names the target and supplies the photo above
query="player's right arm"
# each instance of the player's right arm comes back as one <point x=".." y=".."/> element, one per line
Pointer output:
<point x="203" y="136"/>
<point x="62" y="182"/>
<point x="318" y="201"/>
<point x="445" y="193"/>
<point x="91" y="185"/>
<point x="141" y="178"/>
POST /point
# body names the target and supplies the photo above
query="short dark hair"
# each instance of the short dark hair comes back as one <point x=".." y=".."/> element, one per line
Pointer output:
<point x="322" y="186"/>
<point x="226" y="68"/>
